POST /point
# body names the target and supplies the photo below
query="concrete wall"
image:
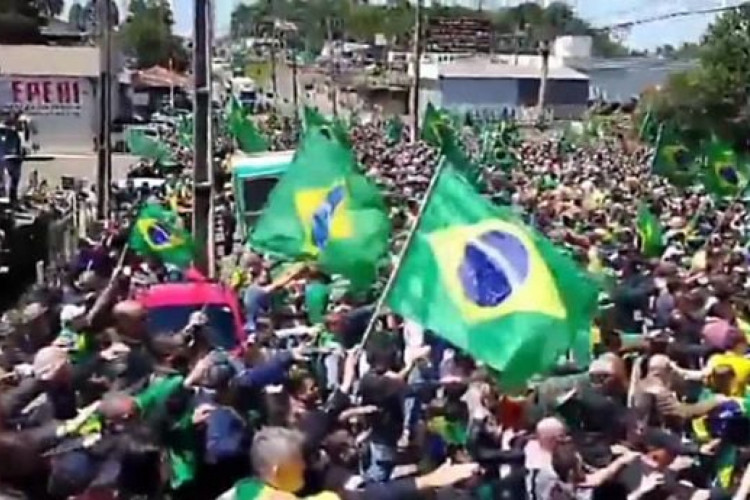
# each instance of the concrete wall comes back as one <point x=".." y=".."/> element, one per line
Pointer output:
<point x="62" y="109"/>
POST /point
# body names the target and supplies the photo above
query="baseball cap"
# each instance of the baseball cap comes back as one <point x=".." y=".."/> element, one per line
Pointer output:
<point x="658" y="439"/>
<point x="602" y="366"/>
<point x="70" y="312"/>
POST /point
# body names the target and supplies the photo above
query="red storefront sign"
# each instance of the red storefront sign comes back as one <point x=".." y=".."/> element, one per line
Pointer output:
<point x="41" y="95"/>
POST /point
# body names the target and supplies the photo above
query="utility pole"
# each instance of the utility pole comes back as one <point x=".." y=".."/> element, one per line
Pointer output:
<point x="274" y="80"/>
<point x="202" y="168"/>
<point x="544" y="51"/>
<point x="295" y="90"/>
<point x="104" y="148"/>
<point x="332" y="94"/>
<point x="417" y="69"/>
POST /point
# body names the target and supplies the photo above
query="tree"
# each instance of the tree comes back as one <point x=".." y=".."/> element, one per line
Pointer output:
<point x="76" y="16"/>
<point x="20" y="22"/>
<point x="50" y="8"/>
<point x="147" y="36"/>
<point x="712" y="98"/>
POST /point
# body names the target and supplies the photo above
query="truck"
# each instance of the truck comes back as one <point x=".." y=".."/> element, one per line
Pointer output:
<point x="253" y="178"/>
<point x="245" y="91"/>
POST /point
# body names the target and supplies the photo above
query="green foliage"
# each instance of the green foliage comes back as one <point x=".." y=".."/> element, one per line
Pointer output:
<point x="360" y="21"/>
<point x="20" y="21"/>
<point x="147" y="35"/>
<point x="50" y="8"/>
<point x="713" y="97"/>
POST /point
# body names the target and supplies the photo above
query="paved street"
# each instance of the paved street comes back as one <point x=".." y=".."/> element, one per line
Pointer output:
<point x="75" y="165"/>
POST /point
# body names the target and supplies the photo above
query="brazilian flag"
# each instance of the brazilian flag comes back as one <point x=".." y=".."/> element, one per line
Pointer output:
<point x="674" y="160"/>
<point x="394" y="129"/>
<point x="436" y="127"/>
<point x="713" y="426"/>
<point x="648" y="131"/>
<point x="650" y="232"/>
<point x="244" y="131"/>
<point x="157" y="232"/>
<point x="724" y="173"/>
<point x="313" y="119"/>
<point x="438" y="132"/>
<point x="322" y="209"/>
<point x="494" y="288"/>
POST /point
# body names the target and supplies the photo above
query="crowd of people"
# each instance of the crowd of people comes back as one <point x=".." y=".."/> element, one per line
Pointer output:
<point x="95" y="403"/>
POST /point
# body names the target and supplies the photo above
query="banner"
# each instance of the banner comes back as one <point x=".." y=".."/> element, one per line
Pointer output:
<point x="42" y="95"/>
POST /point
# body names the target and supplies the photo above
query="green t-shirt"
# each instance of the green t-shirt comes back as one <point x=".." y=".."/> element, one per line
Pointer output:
<point x="317" y="295"/>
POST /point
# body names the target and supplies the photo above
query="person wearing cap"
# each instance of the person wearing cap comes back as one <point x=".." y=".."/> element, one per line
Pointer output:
<point x="71" y="338"/>
<point x="595" y="412"/>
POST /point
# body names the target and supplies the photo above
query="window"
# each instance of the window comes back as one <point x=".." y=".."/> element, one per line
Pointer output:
<point x="172" y="319"/>
<point x="255" y="192"/>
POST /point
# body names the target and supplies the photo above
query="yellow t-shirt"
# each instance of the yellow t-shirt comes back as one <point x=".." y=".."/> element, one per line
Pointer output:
<point x="741" y="367"/>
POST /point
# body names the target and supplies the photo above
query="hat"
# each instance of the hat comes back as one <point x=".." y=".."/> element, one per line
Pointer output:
<point x="658" y="334"/>
<point x="658" y="439"/>
<point x="70" y="312"/>
<point x="601" y="366"/>
<point x="48" y="361"/>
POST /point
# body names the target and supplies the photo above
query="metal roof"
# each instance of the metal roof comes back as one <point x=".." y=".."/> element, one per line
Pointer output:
<point x="43" y="60"/>
<point x="488" y="69"/>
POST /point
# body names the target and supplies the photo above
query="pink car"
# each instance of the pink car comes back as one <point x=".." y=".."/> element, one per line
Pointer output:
<point x="169" y="306"/>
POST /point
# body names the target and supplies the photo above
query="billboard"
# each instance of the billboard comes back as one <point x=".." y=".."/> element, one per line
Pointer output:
<point x="41" y="95"/>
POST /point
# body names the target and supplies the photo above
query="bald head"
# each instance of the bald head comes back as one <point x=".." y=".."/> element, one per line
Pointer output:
<point x="549" y="432"/>
<point x="130" y="317"/>
<point x="658" y="364"/>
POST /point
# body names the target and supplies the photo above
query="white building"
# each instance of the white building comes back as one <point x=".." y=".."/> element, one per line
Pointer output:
<point x="57" y="87"/>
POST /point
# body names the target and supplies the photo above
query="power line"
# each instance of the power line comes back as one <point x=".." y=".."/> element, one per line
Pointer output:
<point x="671" y="15"/>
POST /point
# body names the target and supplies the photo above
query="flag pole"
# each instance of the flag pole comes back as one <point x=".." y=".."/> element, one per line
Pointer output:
<point x="402" y="253"/>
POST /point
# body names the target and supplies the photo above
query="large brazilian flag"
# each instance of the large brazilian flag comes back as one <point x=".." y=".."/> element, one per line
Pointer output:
<point x="481" y="279"/>
<point x="323" y="209"/>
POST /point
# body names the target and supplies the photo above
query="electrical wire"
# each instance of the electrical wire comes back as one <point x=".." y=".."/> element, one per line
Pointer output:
<point x="671" y="15"/>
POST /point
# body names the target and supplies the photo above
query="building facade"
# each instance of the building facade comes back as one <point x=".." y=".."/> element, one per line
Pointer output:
<point x="57" y="87"/>
<point x="485" y="87"/>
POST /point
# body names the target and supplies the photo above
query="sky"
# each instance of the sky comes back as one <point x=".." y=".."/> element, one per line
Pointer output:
<point x="598" y="12"/>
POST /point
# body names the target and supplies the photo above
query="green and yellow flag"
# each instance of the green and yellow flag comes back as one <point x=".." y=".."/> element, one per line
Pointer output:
<point x="650" y="232"/>
<point x="149" y="148"/>
<point x="244" y="131"/>
<point x="313" y="119"/>
<point x="494" y="288"/>
<point x="394" y="129"/>
<point x="436" y="127"/>
<point x="157" y="232"/>
<point x="323" y="209"/>
<point x="724" y="174"/>
<point x="438" y="132"/>
<point x="674" y="160"/>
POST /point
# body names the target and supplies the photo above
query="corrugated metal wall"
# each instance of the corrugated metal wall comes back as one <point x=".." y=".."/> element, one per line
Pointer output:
<point x="496" y="94"/>
<point x="464" y="94"/>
